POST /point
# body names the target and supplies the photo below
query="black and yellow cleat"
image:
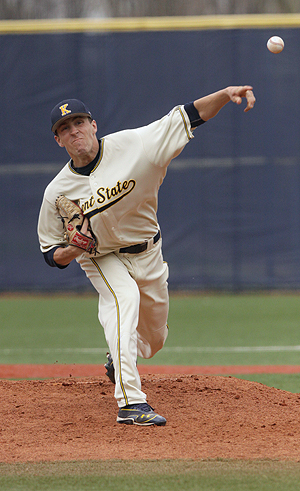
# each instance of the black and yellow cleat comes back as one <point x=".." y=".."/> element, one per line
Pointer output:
<point x="110" y="370"/>
<point x="140" y="414"/>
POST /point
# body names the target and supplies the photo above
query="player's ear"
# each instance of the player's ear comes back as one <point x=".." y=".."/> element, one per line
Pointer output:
<point x="57" y="139"/>
<point x="94" y="124"/>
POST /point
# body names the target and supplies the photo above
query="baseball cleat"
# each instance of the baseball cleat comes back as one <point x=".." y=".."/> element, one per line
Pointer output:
<point x="110" y="370"/>
<point x="140" y="414"/>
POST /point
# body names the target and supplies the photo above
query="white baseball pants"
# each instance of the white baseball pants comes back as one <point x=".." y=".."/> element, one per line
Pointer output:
<point x="133" y="311"/>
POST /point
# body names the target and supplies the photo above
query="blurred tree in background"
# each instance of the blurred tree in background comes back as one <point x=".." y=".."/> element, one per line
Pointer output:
<point x="46" y="9"/>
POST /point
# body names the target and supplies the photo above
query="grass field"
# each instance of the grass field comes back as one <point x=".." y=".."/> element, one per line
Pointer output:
<point x="215" y="475"/>
<point x="220" y="329"/>
<point x="253" y="329"/>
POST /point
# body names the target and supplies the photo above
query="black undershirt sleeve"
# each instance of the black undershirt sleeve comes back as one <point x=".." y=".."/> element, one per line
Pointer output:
<point x="193" y="115"/>
<point x="48" y="256"/>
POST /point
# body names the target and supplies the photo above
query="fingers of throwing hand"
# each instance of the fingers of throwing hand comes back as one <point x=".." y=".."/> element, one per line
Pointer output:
<point x="236" y="99"/>
<point x="250" y="100"/>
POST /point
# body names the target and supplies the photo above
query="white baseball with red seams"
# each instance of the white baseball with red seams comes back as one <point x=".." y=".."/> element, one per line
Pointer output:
<point x="275" y="44"/>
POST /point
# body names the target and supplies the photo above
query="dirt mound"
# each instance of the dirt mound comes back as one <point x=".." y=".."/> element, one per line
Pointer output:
<point x="207" y="417"/>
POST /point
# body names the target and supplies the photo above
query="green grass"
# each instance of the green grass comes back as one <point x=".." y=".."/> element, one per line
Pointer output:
<point x="57" y="329"/>
<point x="235" y="321"/>
<point x="289" y="382"/>
<point x="34" y="329"/>
<point x="215" y="475"/>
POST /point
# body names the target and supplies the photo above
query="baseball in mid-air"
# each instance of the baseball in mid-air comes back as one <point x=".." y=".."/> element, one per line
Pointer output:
<point x="275" y="44"/>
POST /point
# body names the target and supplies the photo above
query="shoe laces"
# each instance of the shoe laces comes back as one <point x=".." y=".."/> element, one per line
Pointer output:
<point x="146" y="408"/>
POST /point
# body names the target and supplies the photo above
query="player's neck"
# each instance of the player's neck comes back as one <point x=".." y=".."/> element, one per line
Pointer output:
<point x="81" y="160"/>
<point x="87" y="169"/>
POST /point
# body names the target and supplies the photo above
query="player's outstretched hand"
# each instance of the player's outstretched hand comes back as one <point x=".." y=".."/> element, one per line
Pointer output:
<point x="236" y="95"/>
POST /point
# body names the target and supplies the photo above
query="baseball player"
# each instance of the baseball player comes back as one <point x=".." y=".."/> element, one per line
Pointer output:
<point x="115" y="181"/>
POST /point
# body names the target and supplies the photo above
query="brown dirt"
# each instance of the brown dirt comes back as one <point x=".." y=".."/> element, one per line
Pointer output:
<point x="207" y="417"/>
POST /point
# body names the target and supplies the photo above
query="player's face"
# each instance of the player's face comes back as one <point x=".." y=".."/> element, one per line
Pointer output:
<point x="78" y="136"/>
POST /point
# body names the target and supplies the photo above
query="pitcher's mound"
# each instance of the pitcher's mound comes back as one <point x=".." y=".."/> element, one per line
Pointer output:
<point x="207" y="417"/>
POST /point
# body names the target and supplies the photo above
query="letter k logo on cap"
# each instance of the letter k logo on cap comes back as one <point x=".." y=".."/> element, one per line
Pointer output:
<point x="64" y="110"/>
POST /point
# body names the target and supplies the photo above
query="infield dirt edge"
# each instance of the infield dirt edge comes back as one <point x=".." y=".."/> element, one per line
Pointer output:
<point x="80" y="370"/>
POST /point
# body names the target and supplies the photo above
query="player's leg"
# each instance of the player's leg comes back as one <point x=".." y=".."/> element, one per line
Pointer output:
<point x="118" y="314"/>
<point x="154" y="304"/>
<point x="152" y="330"/>
<point x="151" y="274"/>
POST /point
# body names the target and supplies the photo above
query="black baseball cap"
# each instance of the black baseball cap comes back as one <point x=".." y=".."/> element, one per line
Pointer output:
<point x="67" y="108"/>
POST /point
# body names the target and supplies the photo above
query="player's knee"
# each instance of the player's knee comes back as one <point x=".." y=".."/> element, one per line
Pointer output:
<point x="150" y="344"/>
<point x="162" y="336"/>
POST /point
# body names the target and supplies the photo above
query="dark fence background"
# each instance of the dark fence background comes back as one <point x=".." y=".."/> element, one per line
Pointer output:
<point x="229" y="207"/>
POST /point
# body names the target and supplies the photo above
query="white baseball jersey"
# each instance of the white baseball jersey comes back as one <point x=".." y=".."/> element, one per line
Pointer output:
<point x="120" y="194"/>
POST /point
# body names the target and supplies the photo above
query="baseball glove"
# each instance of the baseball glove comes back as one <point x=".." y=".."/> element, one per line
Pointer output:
<point x="72" y="218"/>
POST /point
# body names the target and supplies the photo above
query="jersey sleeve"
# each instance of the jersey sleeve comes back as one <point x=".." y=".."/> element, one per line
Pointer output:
<point x="164" y="139"/>
<point x="50" y="227"/>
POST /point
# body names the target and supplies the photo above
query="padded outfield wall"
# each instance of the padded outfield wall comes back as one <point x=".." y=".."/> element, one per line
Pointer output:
<point x="229" y="207"/>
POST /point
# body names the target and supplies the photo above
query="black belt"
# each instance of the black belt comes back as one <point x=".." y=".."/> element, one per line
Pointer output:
<point x="136" y="249"/>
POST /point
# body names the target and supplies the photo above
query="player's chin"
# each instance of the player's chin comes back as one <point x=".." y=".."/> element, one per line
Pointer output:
<point x="79" y="148"/>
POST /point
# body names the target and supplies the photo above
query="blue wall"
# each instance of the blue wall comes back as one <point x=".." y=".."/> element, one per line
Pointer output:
<point x="229" y="206"/>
